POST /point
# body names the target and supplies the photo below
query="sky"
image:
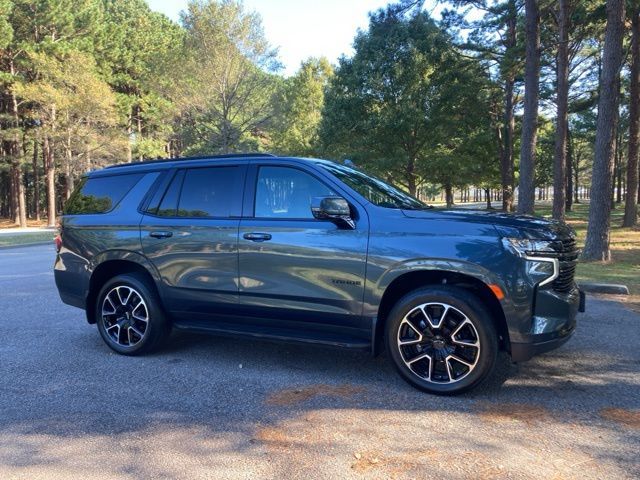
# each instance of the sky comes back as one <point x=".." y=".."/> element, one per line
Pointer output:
<point x="302" y="28"/>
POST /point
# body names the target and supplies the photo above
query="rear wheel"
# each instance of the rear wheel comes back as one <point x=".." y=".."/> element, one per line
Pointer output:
<point x="129" y="316"/>
<point x="442" y="339"/>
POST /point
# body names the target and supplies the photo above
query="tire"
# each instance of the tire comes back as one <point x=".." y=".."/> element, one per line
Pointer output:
<point x="442" y="339"/>
<point x="122" y="304"/>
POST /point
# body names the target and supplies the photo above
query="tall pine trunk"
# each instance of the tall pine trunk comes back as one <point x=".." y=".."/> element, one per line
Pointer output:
<point x="16" y="154"/>
<point x="448" y="195"/>
<point x="597" y="242"/>
<point x="36" y="182"/>
<point x="631" y="203"/>
<point x="569" y="172"/>
<point x="506" y="161"/>
<point x="562" y="121"/>
<point x="68" y="174"/>
<point x="50" y="177"/>
<point x="526" y="191"/>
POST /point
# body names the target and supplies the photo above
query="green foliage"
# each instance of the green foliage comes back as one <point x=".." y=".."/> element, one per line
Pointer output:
<point x="6" y="29"/>
<point x="409" y="106"/>
<point x="299" y="103"/>
<point x="226" y="87"/>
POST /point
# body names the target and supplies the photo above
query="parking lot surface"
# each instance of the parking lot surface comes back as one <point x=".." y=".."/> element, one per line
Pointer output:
<point x="211" y="407"/>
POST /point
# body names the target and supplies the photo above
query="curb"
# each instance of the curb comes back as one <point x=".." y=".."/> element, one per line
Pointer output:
<point x="610" y="288"/>
<point x="32" y="244"/>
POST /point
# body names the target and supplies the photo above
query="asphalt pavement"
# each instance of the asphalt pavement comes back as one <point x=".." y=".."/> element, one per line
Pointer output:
<point x="211" y="407"/>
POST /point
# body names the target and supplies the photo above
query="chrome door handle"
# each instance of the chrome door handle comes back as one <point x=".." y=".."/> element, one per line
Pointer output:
<point x="257" y="237"/>
<point x="163" y="234"/>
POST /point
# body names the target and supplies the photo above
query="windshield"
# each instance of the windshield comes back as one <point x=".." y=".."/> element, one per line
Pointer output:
<point x="375" y="190"/>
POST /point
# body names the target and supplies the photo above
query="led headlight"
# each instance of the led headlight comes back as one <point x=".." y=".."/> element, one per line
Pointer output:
<point x="542" y="259"/>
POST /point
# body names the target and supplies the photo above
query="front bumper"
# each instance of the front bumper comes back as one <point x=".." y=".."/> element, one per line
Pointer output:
<point x="553" y="323"/>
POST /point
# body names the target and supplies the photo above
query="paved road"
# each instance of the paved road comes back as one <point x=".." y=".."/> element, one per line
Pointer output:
<point x="210" y="407"/>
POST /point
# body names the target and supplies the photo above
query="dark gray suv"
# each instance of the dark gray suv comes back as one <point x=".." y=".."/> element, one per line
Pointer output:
<point x="312" y="251"/>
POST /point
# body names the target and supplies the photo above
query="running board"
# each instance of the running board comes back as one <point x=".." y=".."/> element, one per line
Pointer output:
<point x="277" y="334"/>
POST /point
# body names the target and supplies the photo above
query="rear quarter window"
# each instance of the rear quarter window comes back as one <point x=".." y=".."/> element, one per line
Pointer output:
<point x="100" y="194"/>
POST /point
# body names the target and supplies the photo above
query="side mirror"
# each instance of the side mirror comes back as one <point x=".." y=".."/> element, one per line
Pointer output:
<point x="335" y="209"/>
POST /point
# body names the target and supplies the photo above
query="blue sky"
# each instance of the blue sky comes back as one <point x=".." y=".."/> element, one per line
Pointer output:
<point x="302" y="28"/>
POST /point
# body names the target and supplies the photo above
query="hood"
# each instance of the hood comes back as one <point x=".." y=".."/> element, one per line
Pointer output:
<point x="507" y="224"/>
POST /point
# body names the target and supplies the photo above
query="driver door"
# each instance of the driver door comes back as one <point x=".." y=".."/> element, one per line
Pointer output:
<point x="293" y="266"/>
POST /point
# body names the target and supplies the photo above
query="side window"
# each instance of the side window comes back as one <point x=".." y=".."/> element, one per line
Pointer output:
<point x="169" y="204"/>
<point x="283" y="192"/>
<point x="209" y="192"/>
<point x="100" y="194"/>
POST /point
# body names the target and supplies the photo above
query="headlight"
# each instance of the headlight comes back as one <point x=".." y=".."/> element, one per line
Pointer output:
<point x="542" y="261"/>
<point x="525" y="247"/>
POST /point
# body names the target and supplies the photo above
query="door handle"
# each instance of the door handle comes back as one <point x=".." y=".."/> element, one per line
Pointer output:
<point x="257" y="237"/>
<point x="163" y="234"/>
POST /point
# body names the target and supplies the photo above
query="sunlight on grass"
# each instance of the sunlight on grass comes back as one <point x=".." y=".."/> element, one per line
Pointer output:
<point x="625" y="249"/>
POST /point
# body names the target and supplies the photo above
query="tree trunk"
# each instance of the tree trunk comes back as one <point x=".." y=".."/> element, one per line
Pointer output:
<point x="20" y="207"/>
<point x="631" y="202"/>
<point x="597" y="242"/>
<point x="36" y="182"/>
<point x="50" y="176"/>
<point x="411" y="176"/>
<point x="22" y="197"/>
<point x="569" y="191"/>
<point x="68" y="174"/>
<point x="562" y="121"/>
<point x="506" y="163"/>
<point x="87" y="159"/>
<point x="129" y="134"/>
<point x="526" y="191"/>
<point x="448" y="194"/>
<point x="576" y="177"/>
<point x="13" y="195"/>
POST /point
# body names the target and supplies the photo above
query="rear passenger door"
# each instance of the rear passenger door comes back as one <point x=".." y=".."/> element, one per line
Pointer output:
<point x="190" y="233"/>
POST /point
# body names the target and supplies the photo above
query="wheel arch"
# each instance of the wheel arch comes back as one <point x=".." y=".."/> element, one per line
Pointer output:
<point x="115" y="263"/>
<point x="414" y="279"/>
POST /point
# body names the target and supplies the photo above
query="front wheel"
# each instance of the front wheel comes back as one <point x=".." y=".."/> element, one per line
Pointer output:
<point x="129" y="315"/>
<point x="442" y="339"/>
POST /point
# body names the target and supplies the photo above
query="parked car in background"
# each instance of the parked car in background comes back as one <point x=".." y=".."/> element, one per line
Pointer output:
<point x="312" y="251"/>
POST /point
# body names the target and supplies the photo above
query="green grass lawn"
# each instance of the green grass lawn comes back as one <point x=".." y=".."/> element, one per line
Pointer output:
<point x="11" y="239"/>
<point x="625" y="249"/>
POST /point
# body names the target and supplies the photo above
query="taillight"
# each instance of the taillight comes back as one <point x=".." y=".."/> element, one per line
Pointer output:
<point x="58" y="242"/>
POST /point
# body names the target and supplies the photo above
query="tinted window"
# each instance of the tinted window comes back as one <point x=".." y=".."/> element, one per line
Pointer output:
<point x="283" y="192"/>
<point x="209" y="192"/>
<point x="375" y="190"/>
<point x="169" y="204"/>
<point x="101" y="194"/>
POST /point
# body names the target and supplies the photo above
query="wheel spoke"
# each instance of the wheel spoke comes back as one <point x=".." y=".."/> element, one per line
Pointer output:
<point x="466" y="321"/>
<point x="415" y="330"/>
<point x="434" y="324"/>
<point x="138" y="317"/>
<point x="424" y="356"/>
<point x="126" y="300"/>
<point x="115" y="325"/>
<point x="459" y="360"/>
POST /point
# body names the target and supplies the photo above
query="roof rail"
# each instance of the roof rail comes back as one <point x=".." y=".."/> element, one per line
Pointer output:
<point x="203" y="157"/>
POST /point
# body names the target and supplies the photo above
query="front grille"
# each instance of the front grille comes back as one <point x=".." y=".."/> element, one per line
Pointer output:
<point x="568" y="259"/>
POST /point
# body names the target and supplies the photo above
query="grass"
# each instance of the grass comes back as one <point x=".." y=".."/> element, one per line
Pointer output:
<point x="15" y="239"/>
<point x="6" y="223"/>
<point x="625" y="251"/>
